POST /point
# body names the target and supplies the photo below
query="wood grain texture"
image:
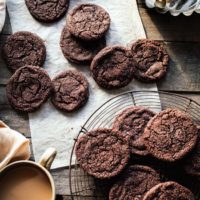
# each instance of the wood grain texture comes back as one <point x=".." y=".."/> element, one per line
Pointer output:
<point x="168" y="28"/>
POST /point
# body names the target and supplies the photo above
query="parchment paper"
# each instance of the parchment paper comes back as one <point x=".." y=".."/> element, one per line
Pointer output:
<point x="49" y="127"/>
<point x="2" y="13"/>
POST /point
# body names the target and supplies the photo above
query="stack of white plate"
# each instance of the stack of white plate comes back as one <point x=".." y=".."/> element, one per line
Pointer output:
<point x="175" y="7"/>
<point x="2" y="13"/>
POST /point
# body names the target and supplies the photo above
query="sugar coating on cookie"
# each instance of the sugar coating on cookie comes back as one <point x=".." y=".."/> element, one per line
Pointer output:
<point x="112" y="67"/>
<point x="169" y="191"/>
<point x="28" y="88"/>
<point x="70" y="90"/>
<point x="79" y="51"/>
<point x="152" y="60"/>
<point x="24" y="48"/>
<point x="88" y="21"/>
<point x="135" y="181"/>
<point x="170" y="135"/>
<point x="102" y="153"/>
<point x="133" y="121"/>
<point x="47" y="11"/>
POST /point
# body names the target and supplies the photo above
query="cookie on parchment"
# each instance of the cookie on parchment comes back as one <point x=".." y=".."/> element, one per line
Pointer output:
<point x="113" y="67"/>
<point x="170" y="135"/>
<point x="169" y="191"/>
<point x="28" y="88"/>
<point x="135" y="181"/>
<point x="152" y="60"/>
<point x="77" y="50"/>
<point x="102" y="153"/>
<point x="70" y="91"/>
<point x="47" y="11"/>
<point x="88" y="21"/>
<point x="133" y="121"/>
<point x="24" y="48"/>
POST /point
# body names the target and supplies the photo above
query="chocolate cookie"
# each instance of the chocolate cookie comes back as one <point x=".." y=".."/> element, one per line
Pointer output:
<point x="102" y="153"/>
<point x="28" y="88"/>
<point x="152" y="60"/>
<point x="47" y="10"/>
<point x="70" y="91"/>
<point x="192" y="165"/>
<point x="24" y="48"/>
<point x="113" y="67"/>
<point x="169" y="191"/>
<point x="134" y="183"/>
<point x="88" y="21"/>
<point x="170" y="135"/>
<point x="77" y="50"/>
<point x="133" y="121"/>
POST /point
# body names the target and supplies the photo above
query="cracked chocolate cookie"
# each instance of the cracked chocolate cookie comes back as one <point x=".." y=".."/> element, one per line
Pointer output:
<point x="24" y="48"/>
<point x="77" y="50"/>
<point x="102" y="153"/>
<point x="70" y="91"/>
<point x="192" y="164"/>
<point x="47" y="10"/>
<point x="133" y="121"/>
<point x="170" y="135"/>
<point x="169" y="191"/>
<point x="28" y="88"/>
<point x="88" y="21"/>
<point x="134" y="183"/>
<point x="112" y="67"/>
<point x="152" y="60"/>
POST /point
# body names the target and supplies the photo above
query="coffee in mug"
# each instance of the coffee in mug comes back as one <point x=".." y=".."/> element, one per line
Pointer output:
<point x="27" y="180"/>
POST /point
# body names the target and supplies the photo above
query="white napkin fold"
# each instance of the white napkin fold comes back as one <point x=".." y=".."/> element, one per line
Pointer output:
<point x="13" y="146"/>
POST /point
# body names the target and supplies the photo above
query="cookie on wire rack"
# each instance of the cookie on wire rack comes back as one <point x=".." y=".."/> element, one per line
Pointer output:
<point x="102" y="153"/>
<point x="135" y="181"/>
<point x="170" y="135"/>
<point x="133" y="121"/>
<point x="169" y="191"/>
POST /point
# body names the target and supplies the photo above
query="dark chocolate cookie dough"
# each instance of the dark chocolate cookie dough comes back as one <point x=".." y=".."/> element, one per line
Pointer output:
<point x="152" y="60"/>
<point x="170" y="135"/>
<point x="192" y="163"/>
<point x="102" y="153"/>
<point x="24" y="48"/>
<point x="134" y="183"/>
<point x="70" y="91"/>
<point x="88" y="21"/>
<point x="169" y="191"/>
<point x="133" y="121"/>
<point x="113" y="67"/>
<point x="28" y="88"/>
<point x="77" y="50"/>
<point x="47" y="10"/>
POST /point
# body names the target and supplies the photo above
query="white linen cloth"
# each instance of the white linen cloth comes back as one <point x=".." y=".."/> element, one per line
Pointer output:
<point x="13" y="146"/>
<point x="50" y="127"/>
<point x="2" y="13"/>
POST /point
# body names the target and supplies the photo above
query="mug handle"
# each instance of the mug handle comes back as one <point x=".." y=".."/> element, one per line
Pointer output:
<point x="47" y="158"/>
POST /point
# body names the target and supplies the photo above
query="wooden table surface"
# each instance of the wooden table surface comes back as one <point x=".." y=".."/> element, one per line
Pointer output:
<point x="182" y="38"/>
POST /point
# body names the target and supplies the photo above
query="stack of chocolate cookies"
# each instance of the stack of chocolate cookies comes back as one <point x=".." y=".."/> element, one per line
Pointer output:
<point x="133" y="152"/>
<point x="84" y="34"/>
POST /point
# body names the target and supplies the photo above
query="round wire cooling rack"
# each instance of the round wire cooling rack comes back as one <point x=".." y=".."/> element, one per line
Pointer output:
<point x="82" y="185"/>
